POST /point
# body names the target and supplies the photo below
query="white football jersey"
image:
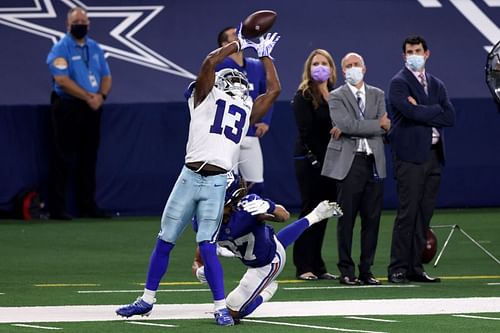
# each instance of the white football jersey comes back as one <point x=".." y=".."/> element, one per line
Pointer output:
<point x="217" y="127"/>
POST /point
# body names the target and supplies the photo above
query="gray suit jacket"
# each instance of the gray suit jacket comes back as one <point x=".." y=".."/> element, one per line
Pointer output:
<point x="345" y="115"/>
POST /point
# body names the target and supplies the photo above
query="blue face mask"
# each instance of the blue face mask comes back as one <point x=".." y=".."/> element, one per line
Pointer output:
<point x="354" y="75"/>
<point x="415" y="62"/>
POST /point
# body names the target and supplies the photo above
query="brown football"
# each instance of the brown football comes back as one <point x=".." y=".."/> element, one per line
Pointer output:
<point x="430" y="247"/>
<point x="258" y="23"/>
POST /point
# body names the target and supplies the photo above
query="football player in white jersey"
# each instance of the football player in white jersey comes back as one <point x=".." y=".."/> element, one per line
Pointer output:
<point x="245" y="234"/>
<point x="220" y="115"/>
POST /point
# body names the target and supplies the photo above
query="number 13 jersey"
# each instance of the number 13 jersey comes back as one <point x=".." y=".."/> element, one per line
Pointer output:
<point x="218" y="125"/>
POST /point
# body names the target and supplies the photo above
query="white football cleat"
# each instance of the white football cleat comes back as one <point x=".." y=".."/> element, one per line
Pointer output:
<point x="325" y="209"/>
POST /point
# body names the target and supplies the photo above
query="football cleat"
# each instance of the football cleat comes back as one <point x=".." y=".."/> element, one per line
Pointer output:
<point x="223" y="317"/>
<point x="139" y="307"/>
<point x="324" y="210"/>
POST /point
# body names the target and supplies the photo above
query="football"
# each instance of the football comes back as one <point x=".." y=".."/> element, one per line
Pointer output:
<point x="430" y="247"/>
<point x="258" y="23"/>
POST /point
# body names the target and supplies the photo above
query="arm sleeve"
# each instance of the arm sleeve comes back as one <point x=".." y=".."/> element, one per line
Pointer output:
<point x="398" y="96"/>
<point x="302" y="109"/>
<point x="343" y="118"/>
<point x="58" y="61"/>
<point x="105" y="71"/>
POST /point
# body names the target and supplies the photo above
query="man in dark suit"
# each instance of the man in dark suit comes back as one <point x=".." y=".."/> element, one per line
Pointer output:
<point x="419" y="109"/>
<point x="355" y="157"/>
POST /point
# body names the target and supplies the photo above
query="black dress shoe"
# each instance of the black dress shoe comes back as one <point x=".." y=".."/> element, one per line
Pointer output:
<point x="398" y="278"/>
<point x="350" y="281"/>
<point x="424" y="277"/>
<point x="369" y="279"/>
<point x="60" y="216"/>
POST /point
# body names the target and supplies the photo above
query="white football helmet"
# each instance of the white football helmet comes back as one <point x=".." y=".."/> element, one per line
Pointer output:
<point x="232" y="82"/>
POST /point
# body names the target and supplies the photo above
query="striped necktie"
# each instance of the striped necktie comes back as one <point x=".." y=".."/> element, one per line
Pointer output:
<point x="423" y="82"/>
<point x="361" y="105"/>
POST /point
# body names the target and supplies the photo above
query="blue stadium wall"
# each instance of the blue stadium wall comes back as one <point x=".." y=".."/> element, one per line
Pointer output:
<point x="154" y="50"/>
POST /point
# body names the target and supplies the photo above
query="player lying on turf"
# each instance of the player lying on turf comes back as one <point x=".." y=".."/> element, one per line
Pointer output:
<point x="245" y="234"/>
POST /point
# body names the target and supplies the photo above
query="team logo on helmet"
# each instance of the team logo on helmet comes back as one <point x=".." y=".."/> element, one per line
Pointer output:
<point x="232" y="82"/>
<point x="235" y="189"/>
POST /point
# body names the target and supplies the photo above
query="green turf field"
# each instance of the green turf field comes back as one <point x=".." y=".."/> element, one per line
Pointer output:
<point x="104" y="262"/>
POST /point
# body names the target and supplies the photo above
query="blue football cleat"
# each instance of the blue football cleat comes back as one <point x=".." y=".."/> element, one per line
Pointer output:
<point x="223" y="317"/>
<point x="139" y="307"/>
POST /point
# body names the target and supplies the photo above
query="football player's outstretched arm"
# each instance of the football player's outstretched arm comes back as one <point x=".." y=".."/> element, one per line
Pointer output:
<point x="280" y="214"/>
<point x="263" y="102"/>
<point x="206" y="77"/>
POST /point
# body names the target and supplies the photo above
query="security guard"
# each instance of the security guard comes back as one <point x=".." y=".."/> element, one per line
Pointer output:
<point x="81" y="83"/>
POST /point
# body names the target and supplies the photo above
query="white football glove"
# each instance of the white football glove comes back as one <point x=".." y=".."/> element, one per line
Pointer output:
<point x="200" y="274"/>
<point x="266" y="44"/>
<point x="245" y="43"/>
<point x="255" y="207"/>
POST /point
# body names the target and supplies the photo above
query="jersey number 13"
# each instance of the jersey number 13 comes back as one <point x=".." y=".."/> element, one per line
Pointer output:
<point x="234" y="132"/>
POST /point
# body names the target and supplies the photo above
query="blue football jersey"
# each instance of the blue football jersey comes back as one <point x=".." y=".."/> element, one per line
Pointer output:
<point x="249" y="239"/>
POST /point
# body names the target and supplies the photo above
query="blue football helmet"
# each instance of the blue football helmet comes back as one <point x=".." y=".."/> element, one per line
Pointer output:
<point x="232" y="82"/>
<point x="235" y="189"/>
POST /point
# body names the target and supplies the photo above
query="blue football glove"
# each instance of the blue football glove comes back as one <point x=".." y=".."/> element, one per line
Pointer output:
<point x="245" y="43"/>
<point x="266" y="44"/>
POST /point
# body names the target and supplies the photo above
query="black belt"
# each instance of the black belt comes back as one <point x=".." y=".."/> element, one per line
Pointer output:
<point x="207" y="170"/>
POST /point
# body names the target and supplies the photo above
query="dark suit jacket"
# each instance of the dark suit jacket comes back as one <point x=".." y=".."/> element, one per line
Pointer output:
<point x="411" y="125"/>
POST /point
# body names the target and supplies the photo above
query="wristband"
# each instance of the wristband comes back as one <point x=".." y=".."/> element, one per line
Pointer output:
<point x="272" y="206"/>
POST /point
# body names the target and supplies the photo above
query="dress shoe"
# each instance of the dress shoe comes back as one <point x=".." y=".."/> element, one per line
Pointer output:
<point x="350" y="281"/>
<point x="424" y="277"/>
<point x="60" y="216"/>
<point x="307" y="276"/>
<point x="369" y="279"/>
<point x="328" y="276"/>
<point x="398" y="278"/>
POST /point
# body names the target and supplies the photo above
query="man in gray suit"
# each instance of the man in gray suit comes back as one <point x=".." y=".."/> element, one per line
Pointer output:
<point x="355" y="158"/>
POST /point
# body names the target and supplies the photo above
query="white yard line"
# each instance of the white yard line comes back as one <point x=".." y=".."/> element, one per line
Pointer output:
<point x="39" y="327"/>
<point x="310" y="326"/>
<point x="476" y="317"/>
<point x="149" y="324"/>
<point x="372" y="319"/>
<point x="493" y="283"/>
<point x="373" y="307"/>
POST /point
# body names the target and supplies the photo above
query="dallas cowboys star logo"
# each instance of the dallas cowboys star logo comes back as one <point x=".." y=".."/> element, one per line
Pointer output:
<point x="134" y="19"/>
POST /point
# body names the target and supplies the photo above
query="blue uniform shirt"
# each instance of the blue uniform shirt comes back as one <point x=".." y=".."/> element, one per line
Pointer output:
<point x="256" y="75"/>
<point x="250" y="239"/>
<point x="85" y="64"/>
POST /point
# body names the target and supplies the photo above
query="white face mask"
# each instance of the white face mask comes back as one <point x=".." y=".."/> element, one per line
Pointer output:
<point x="354" y="75"/>
<point x="415" y="62"/>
